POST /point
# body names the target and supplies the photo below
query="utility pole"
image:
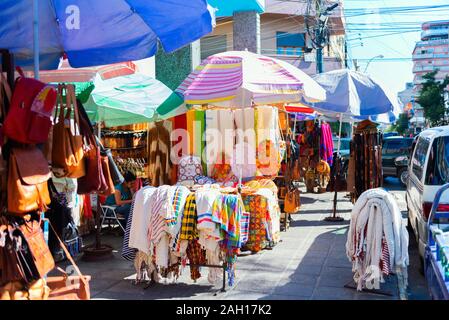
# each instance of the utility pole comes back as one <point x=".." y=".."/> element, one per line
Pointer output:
<point x="321" y="34"/>
<point x="346" y="54"/>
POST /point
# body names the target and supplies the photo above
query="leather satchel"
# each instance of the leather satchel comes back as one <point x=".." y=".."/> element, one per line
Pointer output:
<point x="42" y="256"/>
<point x="292" y="202"/>
<point x="94" y="178"/>
<point x="27" y="181"/>
<point x="67" y="149"/>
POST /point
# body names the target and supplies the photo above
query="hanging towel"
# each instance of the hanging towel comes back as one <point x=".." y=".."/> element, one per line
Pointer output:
<point x="245" y="148"/>
<point x="195" y="128"/>
<point x="180" y="142"/>
<point x="220" y="136"/>
<point x="326" y="144"/>
<point x="188" y="225"/>
<point x="266" y="124"/>
<point x="159" y="167"/>
<point x="139" y="220"/>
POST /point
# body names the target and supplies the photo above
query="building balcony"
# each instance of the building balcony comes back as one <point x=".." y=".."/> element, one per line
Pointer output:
<point x="434" y="33"/>
<point x="422" y="56"/>
<point x="430" y="43"/>
<point x="430" y="56"/>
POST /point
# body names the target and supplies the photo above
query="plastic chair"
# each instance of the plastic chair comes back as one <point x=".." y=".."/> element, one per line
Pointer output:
<point x="109" y="214"/>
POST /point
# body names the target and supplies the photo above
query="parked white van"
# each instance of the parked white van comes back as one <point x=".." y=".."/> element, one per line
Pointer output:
<point x="428" y="171"/>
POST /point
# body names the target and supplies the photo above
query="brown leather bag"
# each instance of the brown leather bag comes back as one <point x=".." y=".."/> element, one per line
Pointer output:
<point x="68" y="145"/>
<point x="27" y="181"/>
<point x="67" y="287"/>
<point x="292" y="202"/>
<point x="94" y="179"/>
<point x="42" y="256"/>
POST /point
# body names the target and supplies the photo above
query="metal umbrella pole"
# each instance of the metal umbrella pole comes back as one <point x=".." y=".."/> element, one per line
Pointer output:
<point x="98" y="251"/>
<point x="334" y="217"/>
<point x="36" y="38"/>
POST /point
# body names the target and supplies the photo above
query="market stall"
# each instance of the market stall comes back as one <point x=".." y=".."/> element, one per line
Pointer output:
<point x="72" y="151"/>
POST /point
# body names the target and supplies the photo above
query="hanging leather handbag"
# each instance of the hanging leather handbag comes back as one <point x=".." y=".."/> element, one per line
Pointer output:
<point x="68" y="145"/>
<point x="292" y="202"/>
<point x="27" y="181"/>
<point x="67" y="287"/>
<point x="29" y="118"/>
<point x="94" y="178"/>
<point x="42" y="256"/>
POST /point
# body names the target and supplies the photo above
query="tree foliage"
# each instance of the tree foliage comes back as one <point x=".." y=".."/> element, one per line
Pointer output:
<point x="431" y="98"/>
<point x="402" y="124"/>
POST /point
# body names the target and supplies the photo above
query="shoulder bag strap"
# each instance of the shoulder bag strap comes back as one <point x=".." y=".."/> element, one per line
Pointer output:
<point x="73" y="104"/>
<point x="67" y="253"/>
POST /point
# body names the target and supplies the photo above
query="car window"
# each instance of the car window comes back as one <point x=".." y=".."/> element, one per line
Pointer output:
<point x="419" y="158"/>
<point x="399" y="146"/>
<point x="438" y="164"/>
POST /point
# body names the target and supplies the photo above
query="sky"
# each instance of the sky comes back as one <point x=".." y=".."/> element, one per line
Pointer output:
<point x="395" y="69"/>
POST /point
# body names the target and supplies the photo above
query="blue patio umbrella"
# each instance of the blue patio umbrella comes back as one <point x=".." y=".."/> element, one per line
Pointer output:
<point x="355" y="94"/>
<point x="98" y="32"/>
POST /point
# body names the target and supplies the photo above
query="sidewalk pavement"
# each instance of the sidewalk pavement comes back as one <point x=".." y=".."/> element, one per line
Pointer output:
<point x="309" y="263"/>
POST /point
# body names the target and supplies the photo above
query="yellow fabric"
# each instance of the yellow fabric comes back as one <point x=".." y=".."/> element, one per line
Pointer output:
<point x="190" y="129"/>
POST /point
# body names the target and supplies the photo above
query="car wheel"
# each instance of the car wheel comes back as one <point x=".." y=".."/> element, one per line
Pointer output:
<point x="403" y="175"/>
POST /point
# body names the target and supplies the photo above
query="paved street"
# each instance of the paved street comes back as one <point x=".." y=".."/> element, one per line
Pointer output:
<point x="309" y="263"/>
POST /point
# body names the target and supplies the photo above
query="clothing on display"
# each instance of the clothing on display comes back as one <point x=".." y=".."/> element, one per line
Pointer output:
<point x="326" y="144"/>
<point x="377" y="242"/>
<point x="366" y="155"/>
<point x="159" y="169"/>
<point x="207" y="226"/>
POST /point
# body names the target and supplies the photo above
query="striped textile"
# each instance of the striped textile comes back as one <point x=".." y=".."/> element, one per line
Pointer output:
<point x="244" y="225"/>
<point x="178" y="202"/>
<point x="127" y="252"/>
<point x="220" y="77"/>
<point x="385" y="260"/>
<point x="188" y="226"/>
<point x="158" y="208"/>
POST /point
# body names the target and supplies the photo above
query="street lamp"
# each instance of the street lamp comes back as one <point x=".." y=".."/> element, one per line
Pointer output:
<point x="367" y="65"/>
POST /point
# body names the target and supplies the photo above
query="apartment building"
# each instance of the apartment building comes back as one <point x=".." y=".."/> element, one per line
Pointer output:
<point x="284" y="34"/>
<point x="432" y="52"/>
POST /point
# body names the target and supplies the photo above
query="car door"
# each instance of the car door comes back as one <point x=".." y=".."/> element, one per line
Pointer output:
<point x="415" y="185"/>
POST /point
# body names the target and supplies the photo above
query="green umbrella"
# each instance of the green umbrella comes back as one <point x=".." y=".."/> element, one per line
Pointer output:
<point x="128" y="99"/>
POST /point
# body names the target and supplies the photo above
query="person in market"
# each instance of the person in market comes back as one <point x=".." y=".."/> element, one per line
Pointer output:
<point x="122" y="198"/>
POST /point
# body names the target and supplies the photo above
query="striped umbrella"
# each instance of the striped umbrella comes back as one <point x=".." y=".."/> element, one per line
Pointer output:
<point x="241" y="78"/>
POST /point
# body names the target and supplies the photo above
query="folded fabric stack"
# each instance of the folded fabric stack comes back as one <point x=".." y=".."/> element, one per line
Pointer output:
<point x="377" y="242"/>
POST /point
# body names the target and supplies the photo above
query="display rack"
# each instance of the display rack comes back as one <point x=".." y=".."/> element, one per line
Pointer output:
<point x="129" y="146"/>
